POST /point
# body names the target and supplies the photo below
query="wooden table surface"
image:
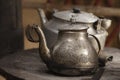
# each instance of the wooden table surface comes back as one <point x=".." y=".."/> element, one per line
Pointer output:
<point x="28" y="66"/>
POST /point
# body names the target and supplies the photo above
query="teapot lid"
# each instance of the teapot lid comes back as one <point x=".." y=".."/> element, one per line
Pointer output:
<point x="76" y="15"/>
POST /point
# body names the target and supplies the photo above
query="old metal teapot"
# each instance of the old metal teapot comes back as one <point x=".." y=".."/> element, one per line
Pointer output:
<point x="97" y="26"/>
<point x="73" y="53"/>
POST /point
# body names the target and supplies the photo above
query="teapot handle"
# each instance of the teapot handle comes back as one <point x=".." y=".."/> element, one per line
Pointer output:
<point x="102" y="57"/>
<point x="98" y="42"/>
<point x="29" y="32"/>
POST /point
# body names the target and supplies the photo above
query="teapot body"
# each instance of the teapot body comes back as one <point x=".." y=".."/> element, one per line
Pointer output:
<point x="73" y="54"/>
<point x="51" y="28"/>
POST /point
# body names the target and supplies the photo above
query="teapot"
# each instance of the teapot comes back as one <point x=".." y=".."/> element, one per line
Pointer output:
<point x="73" y="52"/>
<point x="97" y="26"/>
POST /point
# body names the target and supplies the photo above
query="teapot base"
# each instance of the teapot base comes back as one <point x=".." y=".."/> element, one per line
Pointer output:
<point x="73" y="71"/>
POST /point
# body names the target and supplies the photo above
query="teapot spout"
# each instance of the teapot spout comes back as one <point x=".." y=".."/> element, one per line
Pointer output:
<point x="42" y="16"/>
<point x="43" y="49"/>
<point x="104" y="58"/>
<point x="106" y="23"/>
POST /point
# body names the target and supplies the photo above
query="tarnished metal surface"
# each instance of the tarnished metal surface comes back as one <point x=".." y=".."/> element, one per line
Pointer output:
<point x="65" y="19"/>
<point x="72" y="53"/>
<point x="79" y="16"/>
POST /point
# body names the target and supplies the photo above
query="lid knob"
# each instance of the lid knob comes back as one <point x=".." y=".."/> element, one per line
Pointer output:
<point x="76" y="10"/>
